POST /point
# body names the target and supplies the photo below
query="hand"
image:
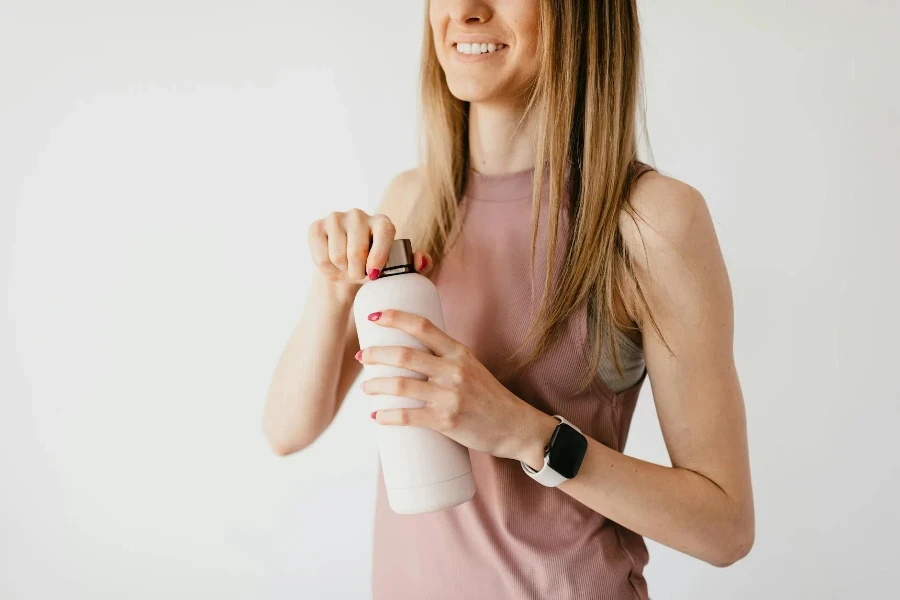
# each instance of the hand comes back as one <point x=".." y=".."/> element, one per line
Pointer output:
<point x="339" y="245"/>
<point x="463" y="400"/>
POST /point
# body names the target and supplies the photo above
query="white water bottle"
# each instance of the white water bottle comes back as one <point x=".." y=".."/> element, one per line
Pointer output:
<point x="423" y="470"/>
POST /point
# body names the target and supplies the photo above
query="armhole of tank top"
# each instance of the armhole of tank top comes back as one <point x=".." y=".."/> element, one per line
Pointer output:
<point x="622" y="338"/>
<point x="640" y="168"/>
<point x="631" y="347"/>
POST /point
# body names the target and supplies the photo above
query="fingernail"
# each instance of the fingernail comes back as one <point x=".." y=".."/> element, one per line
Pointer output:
<point x="359" y="355"/>
<point x="373" y="414"/>
<point x="375" y="316"/>
<point x="373" y="274"/>
<point x="424" y="263"/>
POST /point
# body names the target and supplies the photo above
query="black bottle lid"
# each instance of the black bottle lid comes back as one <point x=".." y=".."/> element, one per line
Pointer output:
<point x="400" y="260"/>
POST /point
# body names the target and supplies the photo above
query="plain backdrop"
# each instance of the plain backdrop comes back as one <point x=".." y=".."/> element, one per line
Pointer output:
<point x="160" y="163"/>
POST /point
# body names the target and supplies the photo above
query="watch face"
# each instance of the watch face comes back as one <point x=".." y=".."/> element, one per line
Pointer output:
<point x="567" y="448"/>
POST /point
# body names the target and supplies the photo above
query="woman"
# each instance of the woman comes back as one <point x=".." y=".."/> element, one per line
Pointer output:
<point x="530" y="111"/>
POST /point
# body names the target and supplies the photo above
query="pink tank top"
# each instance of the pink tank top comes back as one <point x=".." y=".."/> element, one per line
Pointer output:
<point x="516" y="538"/>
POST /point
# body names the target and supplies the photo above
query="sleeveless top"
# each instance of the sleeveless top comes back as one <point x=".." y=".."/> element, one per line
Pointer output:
<point x="516" y="538"/>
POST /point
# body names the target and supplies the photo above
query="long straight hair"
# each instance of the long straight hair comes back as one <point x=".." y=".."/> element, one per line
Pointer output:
<point x="585" y="100"/>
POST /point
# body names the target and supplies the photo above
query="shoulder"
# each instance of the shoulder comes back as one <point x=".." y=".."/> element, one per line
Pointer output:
<point x="400" y="197"/>
<point x="665" y="217"/>
<point x="404" y="183"/>
<point x="671" y="242"/>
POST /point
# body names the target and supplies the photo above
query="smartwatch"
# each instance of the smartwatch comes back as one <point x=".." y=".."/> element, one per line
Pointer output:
<point x="562" y="455"/>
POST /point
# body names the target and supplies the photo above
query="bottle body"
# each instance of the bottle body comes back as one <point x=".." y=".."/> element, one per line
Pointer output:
<point x="423" y="470"/>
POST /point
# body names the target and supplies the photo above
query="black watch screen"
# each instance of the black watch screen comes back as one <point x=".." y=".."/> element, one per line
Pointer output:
<point x="566" y="450"/>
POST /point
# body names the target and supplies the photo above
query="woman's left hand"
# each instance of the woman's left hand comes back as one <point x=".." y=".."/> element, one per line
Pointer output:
<point x="463" y="400"/>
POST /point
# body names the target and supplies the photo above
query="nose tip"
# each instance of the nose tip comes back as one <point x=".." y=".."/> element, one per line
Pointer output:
<point x="470" y="12"/>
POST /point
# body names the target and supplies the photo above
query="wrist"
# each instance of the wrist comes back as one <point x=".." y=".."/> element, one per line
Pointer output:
<point x="534" y="439"/>
<point x="338" y="294"/>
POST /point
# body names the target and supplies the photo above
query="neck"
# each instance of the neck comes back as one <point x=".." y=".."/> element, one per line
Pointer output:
<point x="500" y="140"/>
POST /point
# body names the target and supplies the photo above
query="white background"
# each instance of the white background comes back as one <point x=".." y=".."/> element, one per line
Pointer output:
<point x="160" y="163"/>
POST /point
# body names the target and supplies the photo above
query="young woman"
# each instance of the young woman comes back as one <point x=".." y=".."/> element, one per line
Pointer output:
<point x="567" y="271"/>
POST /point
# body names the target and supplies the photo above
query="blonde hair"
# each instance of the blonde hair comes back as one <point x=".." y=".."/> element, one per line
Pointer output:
<point x="585" y="100"/>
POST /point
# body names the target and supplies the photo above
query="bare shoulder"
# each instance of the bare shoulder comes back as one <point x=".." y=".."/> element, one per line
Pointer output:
<point x="400" y="197"/>
<point x="667" y="216"/>
<point x="675" y="253"/>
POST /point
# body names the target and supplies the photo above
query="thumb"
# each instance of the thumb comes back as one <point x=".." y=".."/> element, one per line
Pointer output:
<point x="423" y="262"/>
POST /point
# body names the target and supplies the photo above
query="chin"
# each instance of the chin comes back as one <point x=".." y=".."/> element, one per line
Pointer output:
<point x="472" y="92"/>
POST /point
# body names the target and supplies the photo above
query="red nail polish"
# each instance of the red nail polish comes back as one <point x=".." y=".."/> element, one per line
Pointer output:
<point x="375" y="316"/>
<point x="374" y="273"/>
<point x="359" y="355"/>
<point x="373" y="414"/>
<point x="424" y="263"/>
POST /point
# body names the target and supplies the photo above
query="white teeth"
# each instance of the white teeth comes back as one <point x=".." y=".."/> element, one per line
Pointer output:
<point x="463" y="48"/>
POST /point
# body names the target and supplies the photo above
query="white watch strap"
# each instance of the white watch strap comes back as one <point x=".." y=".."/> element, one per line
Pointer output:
<point x="547" y="476"/>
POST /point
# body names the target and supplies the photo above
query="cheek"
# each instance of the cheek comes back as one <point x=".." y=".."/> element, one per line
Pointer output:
<point x="527" y="63"/>
<point x="438" y="23"/>
<point x="437" y="18"/>
<point x="534" y="66"/>
<point x="527" y="29"/>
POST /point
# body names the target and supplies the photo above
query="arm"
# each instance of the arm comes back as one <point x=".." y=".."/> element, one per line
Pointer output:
<point x="703" y="504"/>
<point x="317" y="367"/>
<point x="313" y="373"/>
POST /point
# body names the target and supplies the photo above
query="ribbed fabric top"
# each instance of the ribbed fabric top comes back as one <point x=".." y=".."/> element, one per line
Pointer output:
<point x="517" y="187"/>
<point x="515" y="538"/>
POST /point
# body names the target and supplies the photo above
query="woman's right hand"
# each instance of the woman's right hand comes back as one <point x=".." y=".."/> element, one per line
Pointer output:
<point x="339" y="245"/>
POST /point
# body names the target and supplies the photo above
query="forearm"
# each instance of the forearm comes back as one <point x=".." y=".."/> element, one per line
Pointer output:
<point x="302" y="398"/>
<point x="676" y="507"/>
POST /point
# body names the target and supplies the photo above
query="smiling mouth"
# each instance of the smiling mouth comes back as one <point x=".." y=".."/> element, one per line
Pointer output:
<point x="463" y="48"/>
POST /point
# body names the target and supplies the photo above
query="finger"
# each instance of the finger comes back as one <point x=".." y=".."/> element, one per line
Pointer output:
<point x="337" y="241"/>
<point x="420" y="328"/>
<point x="404" y="387"/>
<point x="318" y="248"/>
<point x="405" y="358"/>
<point x="357" y="243"/>
<point x="411" y="417"/>
<point x="423" y="263"/>
<point x="383" y="233"/>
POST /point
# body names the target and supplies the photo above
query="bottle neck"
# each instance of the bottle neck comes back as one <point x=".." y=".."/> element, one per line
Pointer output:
<point x="397" y="270"/>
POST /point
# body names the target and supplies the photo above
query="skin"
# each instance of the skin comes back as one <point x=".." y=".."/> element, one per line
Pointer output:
<point x="703" y="504"/>
<point x="316" y="367"/>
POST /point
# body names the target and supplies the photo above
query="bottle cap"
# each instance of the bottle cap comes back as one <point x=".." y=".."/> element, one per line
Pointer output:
<point x="400" y="260"/>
